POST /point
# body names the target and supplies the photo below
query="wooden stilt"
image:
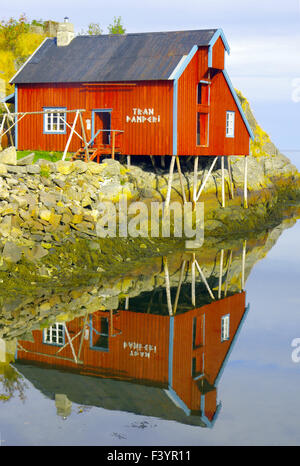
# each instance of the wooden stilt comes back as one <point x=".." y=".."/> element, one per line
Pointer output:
<point x="168" y="290"/>
<point x="128" y="161"/>
<point x="70" y="136"/>
<point x="126" y="303"/>
<point x="181" y="179"/>
<point x="205" y="281"/>
<point x="193" y="280"/>
<point x="9" y="117"/>
<point x="163" y="161"/>
<point x="113" y="144"/>
<point x="246" y="183"/>
<point x="168" y="196"/>
<point x="196" y="163"/>
<point x="153" y="162"/>
<point x="84" y="138"/>
<point x="244" y="264"/>
<point x="227" y="275"/>
<point x="71" y="344"/>
<point x="82" y="335"/>
<point x="221" y="274"/>
<point x="179" y="286"/>
<point x="1" y="128"/>
<point x="223" y="181"/>
<point x="206" y="178"/>
<point x="231" y="187"/>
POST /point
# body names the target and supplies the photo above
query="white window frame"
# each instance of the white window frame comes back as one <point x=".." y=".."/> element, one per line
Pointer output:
<point x="49" y="120"/>
<point x="225" y="326"/>
<point x="51" y="335"/>
<point x="230" y="124"/>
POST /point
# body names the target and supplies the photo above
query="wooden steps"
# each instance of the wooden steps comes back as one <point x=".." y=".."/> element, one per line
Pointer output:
<point x="94" y="153"/>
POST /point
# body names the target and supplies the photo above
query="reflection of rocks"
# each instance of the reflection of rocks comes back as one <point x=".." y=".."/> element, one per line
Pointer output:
<point x="44" y="305"/>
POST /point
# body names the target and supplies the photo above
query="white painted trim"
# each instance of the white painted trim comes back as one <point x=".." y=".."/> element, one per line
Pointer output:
<point x="177" y="67"/>
<point x="28" y="59"/>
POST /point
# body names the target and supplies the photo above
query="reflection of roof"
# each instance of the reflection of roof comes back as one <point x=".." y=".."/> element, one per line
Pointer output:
<point x="102" y="58"/>
<point x="106" y="393"/>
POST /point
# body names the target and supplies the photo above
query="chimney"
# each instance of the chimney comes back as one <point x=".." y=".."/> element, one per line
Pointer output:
<point x="65" y="33"/>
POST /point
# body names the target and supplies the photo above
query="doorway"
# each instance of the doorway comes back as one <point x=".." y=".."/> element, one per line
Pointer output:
<point x="101" y="120"/>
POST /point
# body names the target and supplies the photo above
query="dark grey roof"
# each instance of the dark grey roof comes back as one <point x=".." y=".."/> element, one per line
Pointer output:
<point x="105" y="58"/>
<point x="106" y="393"/>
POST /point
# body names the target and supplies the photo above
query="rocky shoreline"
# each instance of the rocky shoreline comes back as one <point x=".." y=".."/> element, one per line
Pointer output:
<point x="46" y="204"/>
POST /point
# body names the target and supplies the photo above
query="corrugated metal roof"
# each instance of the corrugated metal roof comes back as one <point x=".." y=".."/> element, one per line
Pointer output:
<point x="105" y="58"/>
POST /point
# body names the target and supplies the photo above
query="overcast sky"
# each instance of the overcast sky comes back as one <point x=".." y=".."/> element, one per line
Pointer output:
<point x="264" y="37"/>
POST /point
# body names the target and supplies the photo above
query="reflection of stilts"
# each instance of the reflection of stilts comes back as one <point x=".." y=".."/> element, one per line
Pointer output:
<point x="221" y="274"/>
<point x="243" y="264"/>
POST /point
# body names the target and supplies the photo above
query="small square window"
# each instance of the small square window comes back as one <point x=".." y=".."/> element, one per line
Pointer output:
<point x="225" y="327"/>
<point x="54" y="335"/>
<point x="230" y="124"/>
<point x="54" y="120"/>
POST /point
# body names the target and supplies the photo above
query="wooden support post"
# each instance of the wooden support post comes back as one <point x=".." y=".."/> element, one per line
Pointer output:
<point x="113" y="144"/>
<point x="205" y="281"/>
<point x="17" y="121"/>
<point x="221" y="274"/>
<point x="70" y="136"/>
<point x="84" y="138"/>
<point x="227" y="275"/>
<point x="179" y="287"/>
<point x="126" y="303"/>
<point x="163" y="161"/>
<point x="244" y="264"/>
<point x="181" y="179"/>
<point x="71" y="344"/>
<point x="193" y="280"/>
<point x="195" y="184"/>
<point x="9" y="117"/>
<point x="153" y="162"/>
<point x="246" y="183"/>
<point x="128" y="161"/>
<point x="168" y="197"/>
<point x="82" y="335"/>
<point x="223" y="180"/>
<point x="168" y="290"/>
<point x="1" y="127"/>
<point x="206" y="178"/>
<point x="231" y="187"/>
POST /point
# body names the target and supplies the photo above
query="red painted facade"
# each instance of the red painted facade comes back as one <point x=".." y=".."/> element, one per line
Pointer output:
<point x="144" y="111"/>
<point x="184" y="352"/>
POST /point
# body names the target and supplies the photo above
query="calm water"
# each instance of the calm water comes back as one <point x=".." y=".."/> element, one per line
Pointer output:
<point x="257" y="386"/>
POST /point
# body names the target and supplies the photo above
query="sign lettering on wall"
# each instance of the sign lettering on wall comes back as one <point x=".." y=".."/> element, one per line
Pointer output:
<point x="143" y="115"/>
<point x="138" y="349"/>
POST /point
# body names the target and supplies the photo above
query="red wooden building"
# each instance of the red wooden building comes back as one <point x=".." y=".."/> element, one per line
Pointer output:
<point x="168" y="92"/>
<point x="181" y="357"/>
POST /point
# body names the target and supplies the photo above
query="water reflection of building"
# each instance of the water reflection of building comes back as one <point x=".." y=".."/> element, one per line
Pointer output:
<point x="152" y="364"/>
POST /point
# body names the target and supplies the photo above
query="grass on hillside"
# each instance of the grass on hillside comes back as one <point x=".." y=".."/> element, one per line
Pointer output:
<point x="51" y="156"/>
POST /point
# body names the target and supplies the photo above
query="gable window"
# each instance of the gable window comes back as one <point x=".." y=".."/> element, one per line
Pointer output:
<point x="225" y="327"/>
<point x="203" y="93"/>
<point x="54" y="120"/>
<point x="54" y="335"/>
<point x="230" y="123"/>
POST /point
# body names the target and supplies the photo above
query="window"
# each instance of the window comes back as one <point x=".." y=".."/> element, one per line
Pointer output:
<point x="230" y="119"/>
<point x="53" y="122"/>
<point x="225" y="328"/>
<point x="54" y="335"/>
<point x="203" y="94"/>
